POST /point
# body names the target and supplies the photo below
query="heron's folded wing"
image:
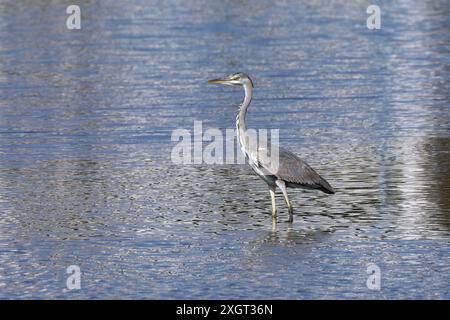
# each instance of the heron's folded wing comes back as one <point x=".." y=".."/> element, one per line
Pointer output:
<point x="290" y="168"/>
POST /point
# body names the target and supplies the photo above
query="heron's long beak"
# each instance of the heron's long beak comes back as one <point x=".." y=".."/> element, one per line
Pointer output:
<point x="219" y="81"/>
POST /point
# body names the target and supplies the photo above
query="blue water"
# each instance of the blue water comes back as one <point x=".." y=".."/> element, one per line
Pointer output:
<point x="86" y="176"/>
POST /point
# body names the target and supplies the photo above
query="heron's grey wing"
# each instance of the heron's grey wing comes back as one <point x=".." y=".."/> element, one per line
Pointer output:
<point x="293" y="170"/>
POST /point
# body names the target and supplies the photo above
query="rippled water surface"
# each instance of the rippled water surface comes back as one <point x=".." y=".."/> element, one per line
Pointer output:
<point x="86" y="177"/>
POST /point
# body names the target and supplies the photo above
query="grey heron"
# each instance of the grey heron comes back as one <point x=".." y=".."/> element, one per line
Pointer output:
<point x="290" y="171"/>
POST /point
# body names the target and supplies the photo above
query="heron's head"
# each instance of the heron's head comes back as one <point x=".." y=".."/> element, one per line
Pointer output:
<point x="235" y="79"/>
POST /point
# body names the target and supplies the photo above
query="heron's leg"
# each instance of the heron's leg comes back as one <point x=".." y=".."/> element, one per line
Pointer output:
<point x="274" y="206"/>
<point x="282" y="185"/>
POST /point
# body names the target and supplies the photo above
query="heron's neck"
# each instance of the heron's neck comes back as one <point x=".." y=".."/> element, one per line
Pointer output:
<point x="240" y="118"/>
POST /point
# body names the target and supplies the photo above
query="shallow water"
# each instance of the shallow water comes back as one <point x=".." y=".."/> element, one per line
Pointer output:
<point x="86" y="177"/>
